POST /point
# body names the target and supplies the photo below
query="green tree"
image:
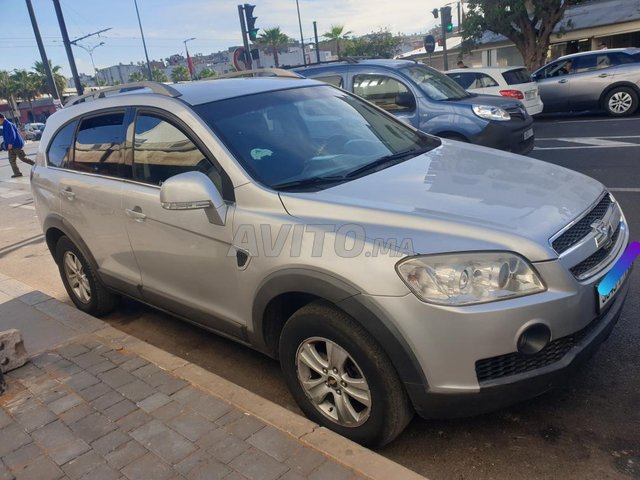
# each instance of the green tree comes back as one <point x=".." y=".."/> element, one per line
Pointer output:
<point x="25" y="86"/>
<point x="5" y="85"/>
<point x="335" y="34"/>
<point x="528" y="24"/>
<point x="158" y="75"/>
<point x="380" y="44"/>
<point x="206" y="73"/>
<point x="180" y="74"/>
<point x="138" y="76"/>
<point x="58" y="78"/>
<point x="272" y="39"/>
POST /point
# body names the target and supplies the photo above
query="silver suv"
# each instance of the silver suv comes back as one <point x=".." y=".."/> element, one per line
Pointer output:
<point x="603" y="79"/>
<point x="389" y="271"/>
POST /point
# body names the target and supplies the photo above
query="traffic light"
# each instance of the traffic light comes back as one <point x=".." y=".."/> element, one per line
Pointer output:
<point x="252" y="31"/>
<point x="435" y="13"/>
<point x="447" y="23"/>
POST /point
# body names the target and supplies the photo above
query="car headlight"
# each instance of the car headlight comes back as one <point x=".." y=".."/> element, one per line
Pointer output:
<point x="469" y="278"/>
<point x="489" y="112"/>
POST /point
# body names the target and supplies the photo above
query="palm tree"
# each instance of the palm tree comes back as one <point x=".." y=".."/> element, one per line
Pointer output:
<point x="273" y="40"/>
<point x="137" y="77"/>
<point x="337" y="33"/>
<point x="25" y="85"/>
<point x="5" y="85"/>
<point x="58" y="78"/>
<point x="180" y="74"/>
<point x="158" y="75"/>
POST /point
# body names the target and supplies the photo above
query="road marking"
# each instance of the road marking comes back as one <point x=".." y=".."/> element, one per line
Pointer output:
<point x="20" y="205"/>
<point x="624" y="189"/>
<point x="570" y="139"/>
<point x="595" y="120"/>
<point x="587" y="147"/>
<point x="589" y="142"/>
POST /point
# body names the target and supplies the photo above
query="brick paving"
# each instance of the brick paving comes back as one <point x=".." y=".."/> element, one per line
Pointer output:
<point x="86" y="412"/>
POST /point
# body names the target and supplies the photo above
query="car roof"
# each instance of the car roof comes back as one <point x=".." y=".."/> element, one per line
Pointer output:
<point x="383" y="62"/>
<point x="630" y="51"/>
<point x="485" y="69"/>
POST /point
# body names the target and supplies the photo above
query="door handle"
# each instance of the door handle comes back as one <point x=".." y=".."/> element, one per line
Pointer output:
<point x="603" y="75"/>
<point x="136" y="214"/>
<point x="68" y="193"/>
<point x="564" y="80"/>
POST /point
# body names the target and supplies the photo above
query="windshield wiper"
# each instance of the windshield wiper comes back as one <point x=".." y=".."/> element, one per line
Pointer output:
<point x="309" y="182"/>
<point x="387" y="159"/>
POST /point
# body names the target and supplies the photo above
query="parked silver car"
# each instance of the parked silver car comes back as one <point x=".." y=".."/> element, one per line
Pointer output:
<point x="604" y="79"/>
<point x="388" y="270"/>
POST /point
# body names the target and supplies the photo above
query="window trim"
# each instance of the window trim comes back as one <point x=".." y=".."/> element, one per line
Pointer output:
<point x="228" y="189"/>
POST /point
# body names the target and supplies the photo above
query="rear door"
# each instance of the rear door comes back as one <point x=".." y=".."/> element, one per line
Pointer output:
<point x="184" y="259"/>
<point x="90" y="195"/>
<point x="592" y="74"/>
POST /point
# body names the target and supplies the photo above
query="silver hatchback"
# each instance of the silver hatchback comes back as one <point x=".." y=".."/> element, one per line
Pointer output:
<point x="389" y="271"/>
<point x="600" y="80"/>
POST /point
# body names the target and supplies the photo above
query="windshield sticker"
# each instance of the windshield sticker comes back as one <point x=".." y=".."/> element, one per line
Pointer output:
<point x="260" y="153"/>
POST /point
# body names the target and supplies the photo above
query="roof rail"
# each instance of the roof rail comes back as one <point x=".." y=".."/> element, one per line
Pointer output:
<point x="155" y="87"/>
<point x="261" y="72"/>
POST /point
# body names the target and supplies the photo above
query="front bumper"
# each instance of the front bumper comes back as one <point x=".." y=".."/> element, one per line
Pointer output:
<point x="507" y="391"/>
<point x="508" y="136"/>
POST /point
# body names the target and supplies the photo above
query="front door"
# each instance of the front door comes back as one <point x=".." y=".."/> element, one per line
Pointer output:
<point x="553" y="84"/>
<point x="184" y="259"/>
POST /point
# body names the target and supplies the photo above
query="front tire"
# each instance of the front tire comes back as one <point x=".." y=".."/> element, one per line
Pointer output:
<point x="81" y="281"/>
<point x="340" y="377"/>
<point x="621" y="101"/>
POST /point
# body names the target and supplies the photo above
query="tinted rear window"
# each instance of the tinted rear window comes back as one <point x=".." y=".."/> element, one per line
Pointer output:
<point x="514" y="77"/>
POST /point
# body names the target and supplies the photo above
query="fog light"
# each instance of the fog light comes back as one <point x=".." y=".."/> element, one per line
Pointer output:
<point x="534" y="339"/>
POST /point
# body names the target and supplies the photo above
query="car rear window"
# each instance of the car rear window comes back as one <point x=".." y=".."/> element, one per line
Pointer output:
<point x="519" y="75"/>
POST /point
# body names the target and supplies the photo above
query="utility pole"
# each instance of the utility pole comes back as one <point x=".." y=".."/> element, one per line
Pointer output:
<point x="304" y="56"/>
<point x="315" y="33"/>
<point x="144" y="44"/>
<point x="245" y="41"/>
<point x="67" y="47"/>
<point x="43" y="55"/>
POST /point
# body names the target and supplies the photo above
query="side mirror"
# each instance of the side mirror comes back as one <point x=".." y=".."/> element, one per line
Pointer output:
<point x="194" y="191"/>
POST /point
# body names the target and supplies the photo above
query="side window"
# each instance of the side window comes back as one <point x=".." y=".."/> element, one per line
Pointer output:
<point x="59" y="153"/>
<point x="587" y="63"/>
<point x="466" y="80"/>
<point x="619" y="58"/>
<point x="385" y="92"/>
<point x="335" y="80"/>
<point x="99" y="146"/>
<point x="161" y="150"/>
<point x="484" y="81"/>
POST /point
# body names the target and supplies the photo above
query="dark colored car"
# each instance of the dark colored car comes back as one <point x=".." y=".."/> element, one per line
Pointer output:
<point x="432" y="102"/>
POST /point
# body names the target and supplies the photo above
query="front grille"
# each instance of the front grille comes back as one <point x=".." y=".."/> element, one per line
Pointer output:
<point x="582" y="227"/>
<point x="516" y="112"/>
<point x="597" y="258"/>
<point x="515" y="363"/>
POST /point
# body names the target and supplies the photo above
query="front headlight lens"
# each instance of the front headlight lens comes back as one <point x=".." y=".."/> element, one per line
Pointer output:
<point x="489" y="112"/>
<point x="469" y="278"/>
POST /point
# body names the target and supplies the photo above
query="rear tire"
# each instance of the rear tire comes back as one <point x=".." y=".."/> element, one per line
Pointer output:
<point x="350" y="385"/>
<point x="621" y="102"/>
<point x="81" y="281"/>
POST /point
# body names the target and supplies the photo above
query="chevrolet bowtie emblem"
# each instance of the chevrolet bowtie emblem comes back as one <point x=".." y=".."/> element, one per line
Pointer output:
<point x="603" y="233"/>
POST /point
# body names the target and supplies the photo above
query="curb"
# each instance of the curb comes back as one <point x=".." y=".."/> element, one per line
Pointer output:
<point x="337" y="448"/>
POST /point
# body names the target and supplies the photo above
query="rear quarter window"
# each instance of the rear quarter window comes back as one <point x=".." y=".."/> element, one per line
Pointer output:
<point x="60" y="147"/>
<point x="519" y="75"/>
<point x="335" y="80"/>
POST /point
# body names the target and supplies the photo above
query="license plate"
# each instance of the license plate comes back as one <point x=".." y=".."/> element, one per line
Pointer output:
<point x="603" y="300"/>
<point x="528" y="134"/>
<point x="530" y="95"/>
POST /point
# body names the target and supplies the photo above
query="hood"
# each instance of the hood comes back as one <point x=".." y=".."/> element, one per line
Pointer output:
<point x="493" y="100"/>
<point x="467" y="197"/>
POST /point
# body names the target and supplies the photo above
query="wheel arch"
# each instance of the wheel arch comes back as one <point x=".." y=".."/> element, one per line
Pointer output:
<point x="284" y="292"/>
<point x="622" y="83"/>
<point x="55" y="227"/>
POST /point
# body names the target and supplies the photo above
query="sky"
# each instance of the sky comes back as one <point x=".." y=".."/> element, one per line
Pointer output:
<point x="167" y="23"/>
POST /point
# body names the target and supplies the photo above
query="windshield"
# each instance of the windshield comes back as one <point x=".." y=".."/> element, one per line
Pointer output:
<point x="434" y="84"/>
<point x="310" y="138"/>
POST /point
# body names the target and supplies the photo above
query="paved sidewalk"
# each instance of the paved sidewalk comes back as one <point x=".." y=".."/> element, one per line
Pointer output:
<point x="97" y="404"/>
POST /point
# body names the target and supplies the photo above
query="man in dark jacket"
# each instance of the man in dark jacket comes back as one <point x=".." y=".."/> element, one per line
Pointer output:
<point x="14" y="145"/>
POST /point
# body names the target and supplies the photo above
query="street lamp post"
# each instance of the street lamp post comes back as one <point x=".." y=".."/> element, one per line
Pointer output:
<point x="304" y="57"/>
<point x="90" y="50"/>
<point x="144" y="44"/>
<point x="189" y="64"/>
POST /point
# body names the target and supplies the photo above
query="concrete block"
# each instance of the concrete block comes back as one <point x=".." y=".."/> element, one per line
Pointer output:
<point x="12" y="352"/>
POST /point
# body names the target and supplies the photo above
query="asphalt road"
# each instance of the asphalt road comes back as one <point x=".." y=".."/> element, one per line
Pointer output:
<point x="589" y="429"/>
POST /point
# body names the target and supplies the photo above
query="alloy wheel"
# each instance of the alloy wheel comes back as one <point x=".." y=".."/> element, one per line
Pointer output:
<point x="333" y="382"/>
<point x="620" y="102"/>
<point x="76" y="277"/>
